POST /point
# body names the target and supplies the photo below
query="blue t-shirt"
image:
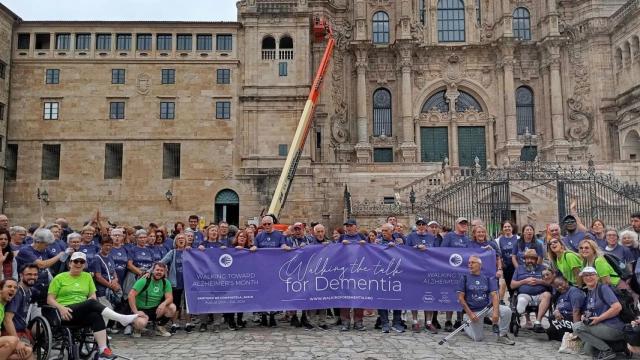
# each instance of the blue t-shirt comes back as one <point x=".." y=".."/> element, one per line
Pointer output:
<point x="107" y="268"/>
<point x="142" y="257"/>
<point x="571" y="299"/>
<point x="454" y="240"/>
<point x="521" y="247"/>
<point x="522" y="273"/>
<point x="272" y="240"/>
<point x="213" y="244"/>
<point x="621" y="252"/>
<point x="90" y="251"/>
<point x="596" y="304"/>
<point x="506" y="245"/>
<point x="28" y="255"/>
<point x="179" y="279"/>
<point x="19" y="306"/>
<point x="168" y="244"/>
<point x="227" y="240"/>
<point x="477" y="290"/>
<point x="492" y="244"/>
<point x="198" y="236"/>
<point x="426" y="239"/>
<point x="57" y="247"/>
<point x="120" y="257"/>
<point x="352" y="238"/>
<point x="572" y="240"/>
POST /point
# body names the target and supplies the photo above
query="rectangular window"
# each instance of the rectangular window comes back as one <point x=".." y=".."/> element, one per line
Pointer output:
<point x="282" y="150"/>
<point x="171" y="161"/>
<point x="167" y="110"/>
<point x="389" y="200"/>
<point x="24" y="40"/>
<point x="224" y="42"/>
<point x="116" y="110"/>
<point x="434" y="142"/>
<point x="184" y="42"/>
<point x="223" y="109"/>
<point x="168" y="76"/>
<point x="51" y="110"/>
<point x="113" y="161"/>
<point x="143" y="42"/>
<point x="282" y="69"/>
<point x="3" y="68"/>
<point x="383" y="155"/>
<point x="63" y="41"/>
<point x="223" y="76"/>
<point x="204" y="42"/>
<point x="50" y="161"/>
<point x="11" y="162"/>
<point x="1" y="115"/>
<point x="123" y="42"/>
<point x="43" y="41"/>
<point x="53" y="76"/>
<point x="83" y="41"/>
<point x="164" y="42"/>
<point x="103" y="42"/>
<point x="117" y="76"/>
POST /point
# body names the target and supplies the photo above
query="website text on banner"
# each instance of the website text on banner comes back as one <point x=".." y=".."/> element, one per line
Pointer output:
<point x="318" y="277"/>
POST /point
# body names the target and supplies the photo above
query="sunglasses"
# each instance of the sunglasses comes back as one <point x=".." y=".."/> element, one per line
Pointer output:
<point x="554" y="242"/>
<point x="584" y="248"/>
<point x="78" y="261"/>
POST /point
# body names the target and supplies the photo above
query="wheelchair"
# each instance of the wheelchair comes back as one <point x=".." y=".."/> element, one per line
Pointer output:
<point x="52" y="340"/>
<point x="514" y="324"/>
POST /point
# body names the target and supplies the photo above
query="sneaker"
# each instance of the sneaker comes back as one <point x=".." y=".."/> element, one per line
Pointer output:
<point x="378" y="324"/>
<point x="242" y="324"/>
<point x="345" y="327"/>
<point x="537" y="328"/>
<point x="606" y="355"/>
<point x="162" y="331"/>
<point x="189" y="328"/>
<point x="306" y="324"/>
<point x="128" y="330"/>
<point x="232" y="326"/>
<point x="505" y="340"/>
<point x="136" y="333"/>
<point x="398" y="328"/>
<point x="324" y="327"/>
<point x="436" y="323"/>
<point x="203" y="327"/>
<point x="430" y="328"/>
<point x="174" y="328"/>
<point x="295" y="322"/>
<point x="385" y="328"/>
<point x="457" y="324"/>
<point x="448" y="327"/>
<point x="359" y="327"/>
<point x="415" y="328"/>
<point x="106" y="354"/>
<point x="487" y="321"/>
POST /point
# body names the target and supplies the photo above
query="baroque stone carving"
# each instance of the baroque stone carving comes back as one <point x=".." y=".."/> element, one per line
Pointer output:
<point x="580" y="124"/>
<point x="143" y="84"/>
<point x="417" y="32"/>
<point x="453" y="69"/>
<point x="382" y="69"/>
<point x="339" y="129"/>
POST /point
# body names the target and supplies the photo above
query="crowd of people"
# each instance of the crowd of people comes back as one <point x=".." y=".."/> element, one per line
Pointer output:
<point x="126" y="279"/>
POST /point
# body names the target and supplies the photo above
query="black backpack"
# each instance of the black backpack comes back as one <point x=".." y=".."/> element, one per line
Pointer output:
<point x="618" y="266"/>
<point x="629" y="310"/>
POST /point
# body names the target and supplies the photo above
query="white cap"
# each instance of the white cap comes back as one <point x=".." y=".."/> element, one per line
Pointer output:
<point x="78" y="255"/>
<point x="588" y="270"/>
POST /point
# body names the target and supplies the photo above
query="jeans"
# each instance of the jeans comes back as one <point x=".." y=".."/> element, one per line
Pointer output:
<point x="594" y="336"/>
<point x="476" y="332"/>
<point x="384" y="317"/>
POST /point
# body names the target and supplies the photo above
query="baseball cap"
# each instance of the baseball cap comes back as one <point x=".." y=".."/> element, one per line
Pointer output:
<point x="588" y="270"/>
<point x="421" y="220"/>
<point x="461" y="219"/>
<point x="78" y="255"/>
<point x="350" y="222"/>
<point x="433" y="222"/>
<point x="569" y="217"/>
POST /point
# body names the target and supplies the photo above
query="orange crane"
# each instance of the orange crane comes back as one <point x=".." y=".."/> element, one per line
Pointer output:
<point x="321" y="30"/>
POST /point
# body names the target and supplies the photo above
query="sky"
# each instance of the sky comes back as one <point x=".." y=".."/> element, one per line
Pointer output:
<point x="146" y="10"/>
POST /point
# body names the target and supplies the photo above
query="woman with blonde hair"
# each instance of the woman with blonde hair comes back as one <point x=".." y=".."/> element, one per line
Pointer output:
<point x="591" y="255"/>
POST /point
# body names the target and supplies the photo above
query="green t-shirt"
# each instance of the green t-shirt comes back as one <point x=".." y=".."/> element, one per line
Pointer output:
<point x="2" y="314"/>
<point x="69" y="290"/>
<point x="566" y="263"/>
<point x="153" y="295"/>
<point x="604" y="269"/>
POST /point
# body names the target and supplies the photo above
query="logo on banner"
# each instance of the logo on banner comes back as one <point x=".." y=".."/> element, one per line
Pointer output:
<point x="455" y="260"/>
<point x="225" y="260"/>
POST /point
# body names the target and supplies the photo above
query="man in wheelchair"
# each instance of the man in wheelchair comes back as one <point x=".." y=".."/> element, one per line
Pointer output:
<point x="11" y="347"/>
<point x="73" y="294"/>
<point x="531" y="289"/>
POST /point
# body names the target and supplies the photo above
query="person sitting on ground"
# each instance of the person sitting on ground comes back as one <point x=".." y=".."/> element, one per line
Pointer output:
<point x="568" y="308"/>
<point x="600" y="322"/>
<point x="73" y="294"/>
<point x="532" y="289"/>
<point x="146" y="300"/>
<point x="477" y="291"/>
<point x="8" y="289"/>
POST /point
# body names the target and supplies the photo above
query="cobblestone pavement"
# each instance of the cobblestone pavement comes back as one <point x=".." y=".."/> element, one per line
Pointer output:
<point x="285" y="342"/>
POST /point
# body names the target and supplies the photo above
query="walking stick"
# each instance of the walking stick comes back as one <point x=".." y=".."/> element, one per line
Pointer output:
<point x="481" y="314"/>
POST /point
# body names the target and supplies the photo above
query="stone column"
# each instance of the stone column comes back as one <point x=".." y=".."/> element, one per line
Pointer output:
<point x="452" y="94"/>
<point x="509" y="97"/>
<point x="491" y="146"/>
<point x="560" y="144"/>
<point x="408" y="147"/>
<point x="363" y="148"/>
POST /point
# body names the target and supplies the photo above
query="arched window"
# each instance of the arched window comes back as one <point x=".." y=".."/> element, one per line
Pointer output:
<point x="227" y="207"/>
<point x="618" y="59"/>
<point x="268" y="43"/>
<point x="286" y="42"/>
<point x="521" y="24"/>
<point x="437" y="101"/>
<point x="450" y="21"/>
<point x="525" y="111"/>
<point x="382" y="112"/>
<point x="380" y="28"/>
<point x="466" y="101"/>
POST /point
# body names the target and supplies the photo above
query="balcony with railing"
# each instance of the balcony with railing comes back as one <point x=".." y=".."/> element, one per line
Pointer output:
<point x="285" y="54"/>
<point x="268" y="54"/>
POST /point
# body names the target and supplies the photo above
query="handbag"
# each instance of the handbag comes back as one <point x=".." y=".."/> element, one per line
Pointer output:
<point x="571" y="344"/>
<point x="114" y="297"/>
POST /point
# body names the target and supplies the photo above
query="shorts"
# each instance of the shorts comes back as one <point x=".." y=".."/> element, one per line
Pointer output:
<point x="532" y="300"/>
<point x="151" y="313"/>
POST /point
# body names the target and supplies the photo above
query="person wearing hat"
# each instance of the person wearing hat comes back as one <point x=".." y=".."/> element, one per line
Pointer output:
<point x="73" y="294"/>
<point x="600" y="321"/>
<point x="574" y="235"/>
<point x="532" y="289"/>
<point x="456" y="239"/>
<point x="352" y="236"/>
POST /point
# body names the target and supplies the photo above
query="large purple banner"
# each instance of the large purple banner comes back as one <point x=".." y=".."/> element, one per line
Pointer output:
<point x="318" y="277"/>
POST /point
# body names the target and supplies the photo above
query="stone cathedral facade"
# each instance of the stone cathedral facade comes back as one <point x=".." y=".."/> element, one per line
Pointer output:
<point x="153" y="121"/>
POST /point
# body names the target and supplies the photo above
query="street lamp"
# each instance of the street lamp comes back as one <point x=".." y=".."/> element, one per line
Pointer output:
<point x="168" y="195"/>
<point x="412" y="198"/>
<point x="43" y="195"/>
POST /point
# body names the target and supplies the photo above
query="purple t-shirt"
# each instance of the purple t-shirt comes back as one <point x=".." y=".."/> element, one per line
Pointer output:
<point x="28" y="255"/>
<point x="352" y="238"/>
<point x="477" y="290"/>
<point x="600" y="300"/>
<point x="415" y="239"/>
<point x="506" y="245"/>
<point x="571" y="299"/>
<point x="120" y="258"/>
<point x="272" y="240"/>
<point x="522" y="273"/>
<point x="142" y="257"/>
<point x="454" y="240"/>
<point x="520" y="247"/>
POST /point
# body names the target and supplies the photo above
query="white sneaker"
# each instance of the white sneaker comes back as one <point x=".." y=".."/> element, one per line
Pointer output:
<point x="137" y="333"/>
<point x="162" y="331"/>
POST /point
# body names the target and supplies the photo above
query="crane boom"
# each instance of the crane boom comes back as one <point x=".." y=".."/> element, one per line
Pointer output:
<point x="300" y="137"/>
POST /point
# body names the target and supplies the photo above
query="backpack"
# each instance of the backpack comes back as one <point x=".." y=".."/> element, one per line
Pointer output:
<point x="629" y="311"/>
<point x="146" y="286"/>
<point x="618" y="266"/>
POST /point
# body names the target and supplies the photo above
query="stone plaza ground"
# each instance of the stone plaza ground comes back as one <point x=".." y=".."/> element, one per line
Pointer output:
<point x="285" y="342"/>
